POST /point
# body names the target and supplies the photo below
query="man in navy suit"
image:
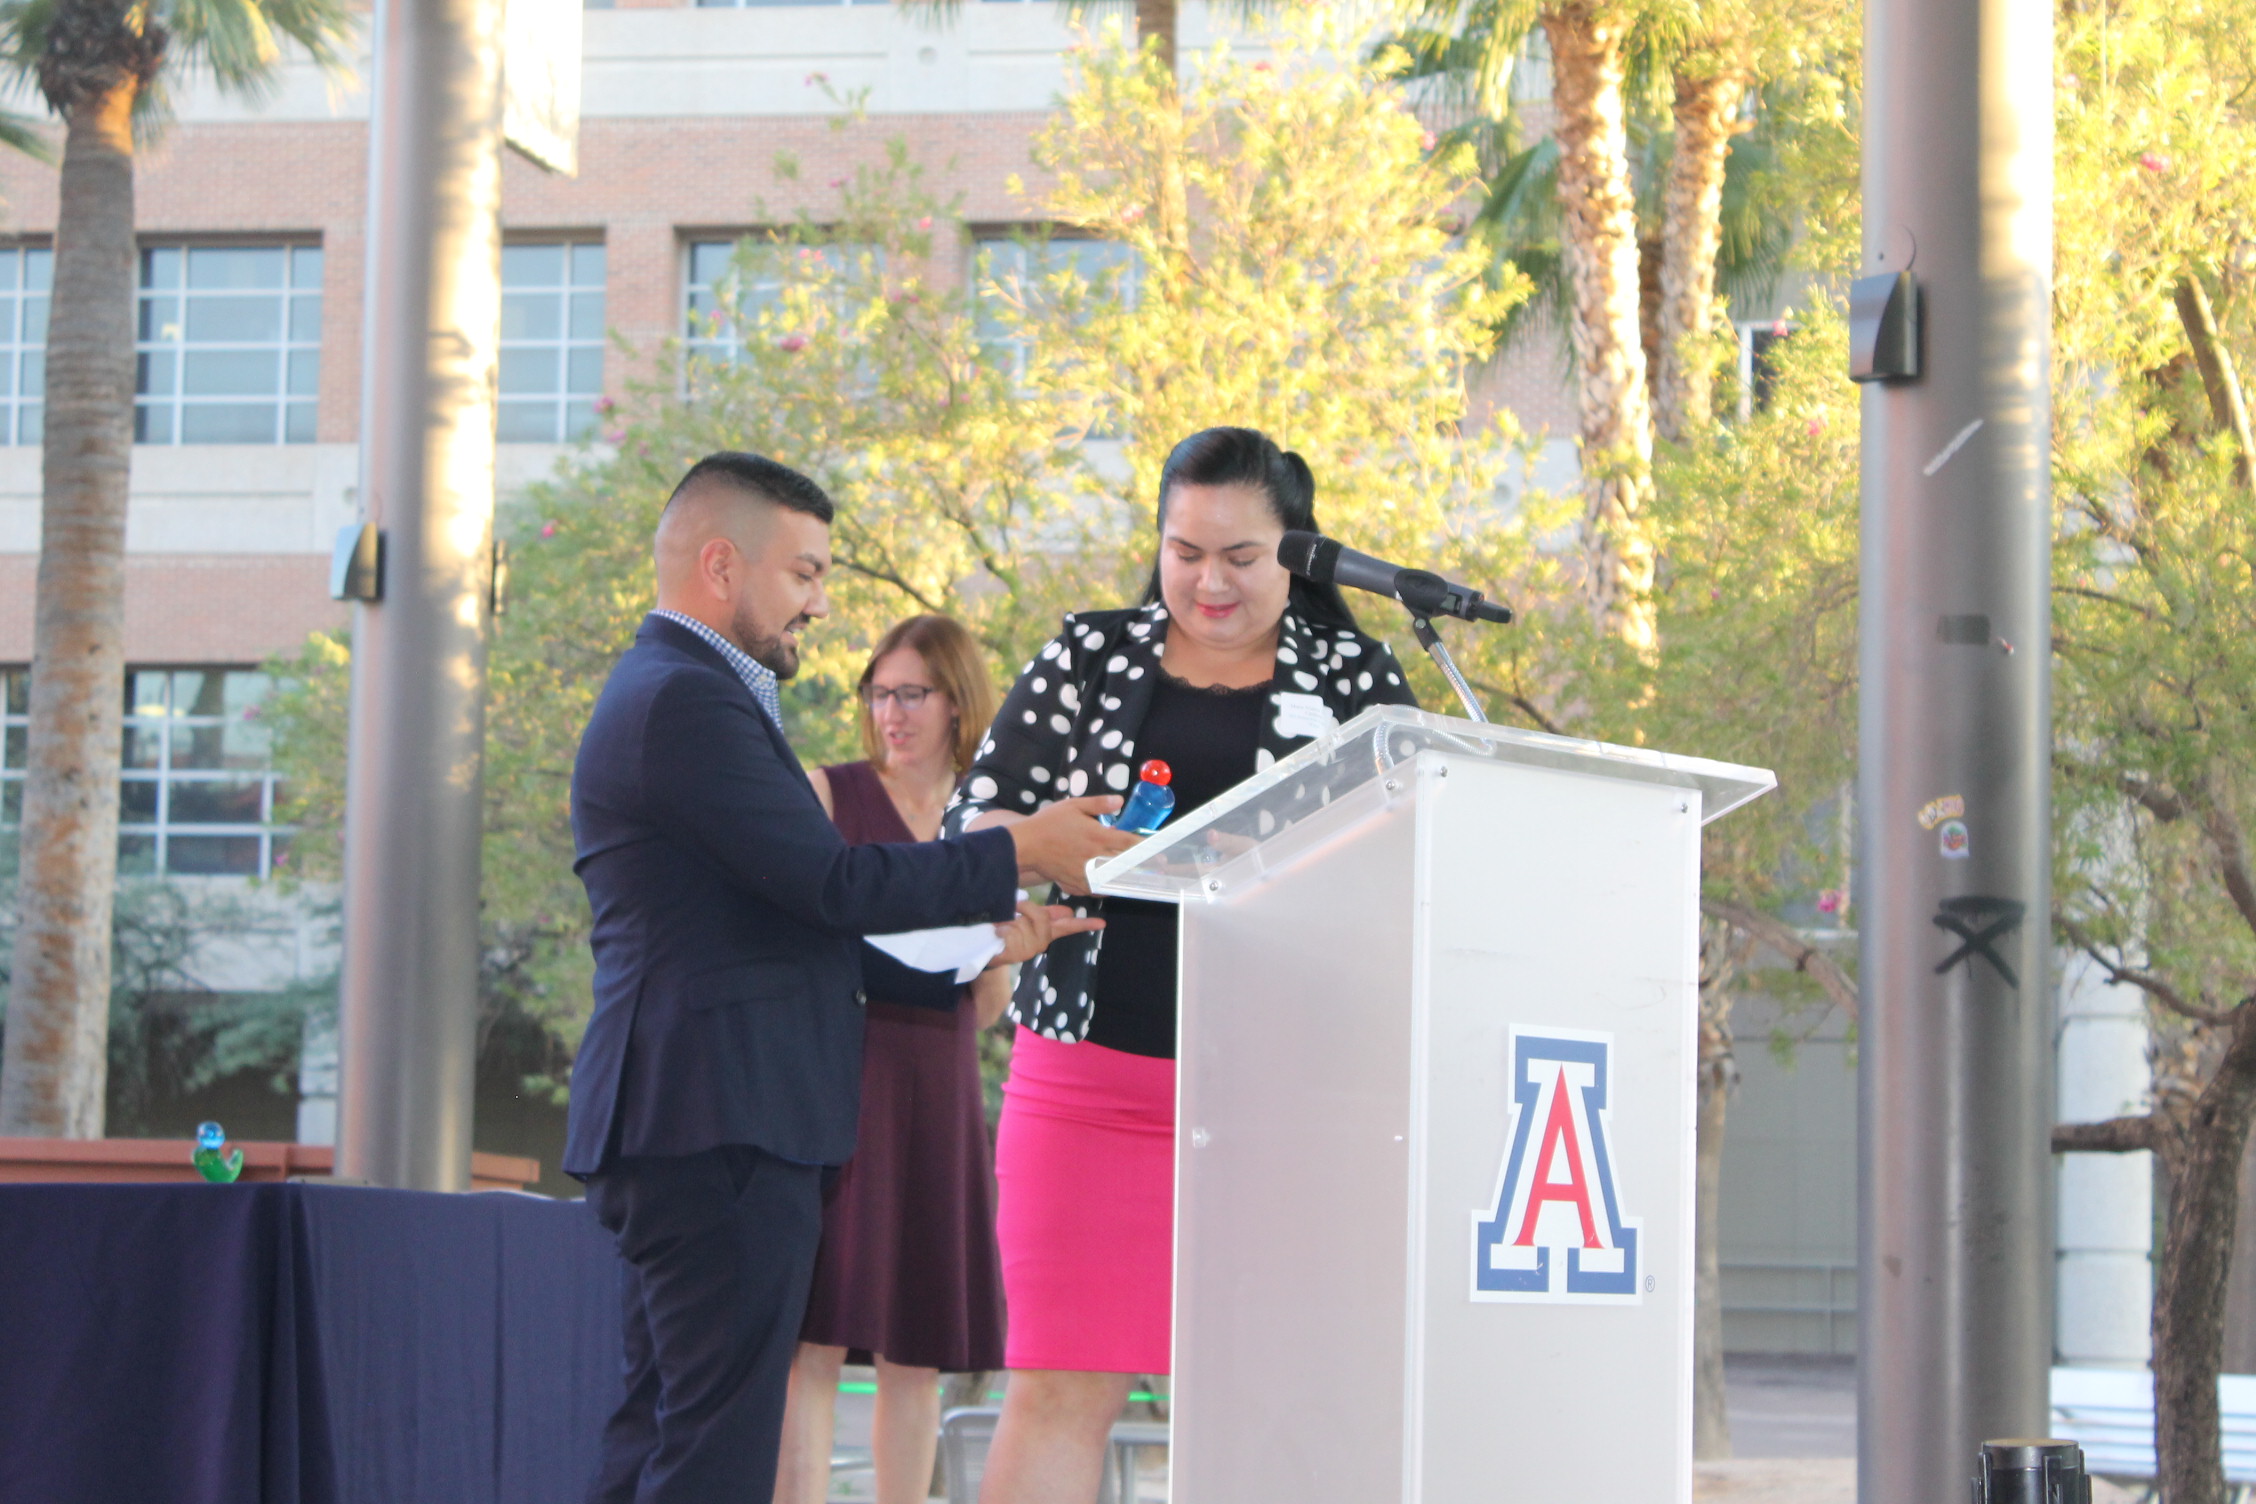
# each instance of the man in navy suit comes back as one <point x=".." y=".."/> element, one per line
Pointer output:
<point x="721" y="1070"/>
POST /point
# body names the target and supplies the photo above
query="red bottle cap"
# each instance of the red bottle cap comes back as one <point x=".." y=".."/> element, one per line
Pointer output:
<point x="1157" y="772"/>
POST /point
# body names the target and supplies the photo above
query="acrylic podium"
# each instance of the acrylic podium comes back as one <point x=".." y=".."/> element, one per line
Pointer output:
<point x="1434" y="1147"/>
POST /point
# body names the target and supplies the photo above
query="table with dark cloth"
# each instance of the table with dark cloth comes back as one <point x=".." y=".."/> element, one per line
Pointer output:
<point x="301" y="1344"/>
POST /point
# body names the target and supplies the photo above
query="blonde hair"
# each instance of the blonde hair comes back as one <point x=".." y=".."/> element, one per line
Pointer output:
<point x="958" y="670"/>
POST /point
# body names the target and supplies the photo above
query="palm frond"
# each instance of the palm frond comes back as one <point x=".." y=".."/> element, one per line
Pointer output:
<point x="1519" y="222"/>
<point x="1757" y="237"/>
<point x="23" y="133"/>
<point x="24" y="26"/>
<point x="241" y="42"/>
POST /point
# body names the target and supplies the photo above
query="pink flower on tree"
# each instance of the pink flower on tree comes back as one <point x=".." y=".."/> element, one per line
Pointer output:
<point x="1816" y="427"/>
<point x="792" y="343"/>
<point x="548" y="530"/>
<point x="603" y="406"/>
<point x="2154" y="161"/>
<point x="1132" y="213"/>
<point x="1832" y="901"/>
<point x="925" y="223"/>
<point x="1427" y="140"/>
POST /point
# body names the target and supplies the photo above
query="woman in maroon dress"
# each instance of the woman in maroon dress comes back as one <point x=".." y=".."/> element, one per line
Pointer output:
<point x="908" y="1273"/>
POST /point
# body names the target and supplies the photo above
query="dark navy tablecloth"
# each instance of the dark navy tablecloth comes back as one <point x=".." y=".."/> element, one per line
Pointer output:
<point x="299" y="1344"/>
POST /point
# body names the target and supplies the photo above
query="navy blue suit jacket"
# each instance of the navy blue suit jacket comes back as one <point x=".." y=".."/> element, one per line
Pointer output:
<point x="728" y="911"/>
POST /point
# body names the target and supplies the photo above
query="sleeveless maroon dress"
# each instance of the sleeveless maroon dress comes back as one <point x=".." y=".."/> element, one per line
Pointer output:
<point x="908" y="1268"/>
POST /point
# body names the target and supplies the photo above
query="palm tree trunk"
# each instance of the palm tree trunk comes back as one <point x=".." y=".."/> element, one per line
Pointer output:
<point x="1155" y="28"/>
<point x="1707" y="108"/>
<point x="55" y="1070"/>
<point x="1599" y="236"/>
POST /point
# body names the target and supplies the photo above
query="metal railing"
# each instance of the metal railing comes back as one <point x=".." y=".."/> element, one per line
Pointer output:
<point x="1834" y="1305"/>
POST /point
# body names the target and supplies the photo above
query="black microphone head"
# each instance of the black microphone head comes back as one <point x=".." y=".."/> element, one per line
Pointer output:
<point x="1312" y="556"/>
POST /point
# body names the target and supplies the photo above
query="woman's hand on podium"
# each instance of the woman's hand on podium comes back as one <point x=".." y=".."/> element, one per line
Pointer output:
<point x="1036" y="926"/>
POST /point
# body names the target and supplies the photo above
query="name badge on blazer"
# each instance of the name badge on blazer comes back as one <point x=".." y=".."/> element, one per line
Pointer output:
<point x="1301" y="715"/>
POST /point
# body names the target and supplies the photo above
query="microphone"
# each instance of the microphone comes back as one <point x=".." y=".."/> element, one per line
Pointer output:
<point x="1325" y="561"/>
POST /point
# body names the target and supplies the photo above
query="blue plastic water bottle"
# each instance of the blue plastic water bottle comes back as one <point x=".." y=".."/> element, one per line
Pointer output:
<point x="1151" y="802"/>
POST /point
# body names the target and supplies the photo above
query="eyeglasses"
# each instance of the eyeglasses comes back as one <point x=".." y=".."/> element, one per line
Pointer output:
<point x="907" y="696"/>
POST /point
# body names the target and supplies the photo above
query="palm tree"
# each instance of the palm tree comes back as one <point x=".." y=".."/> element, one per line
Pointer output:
<point x="101" y="66"/>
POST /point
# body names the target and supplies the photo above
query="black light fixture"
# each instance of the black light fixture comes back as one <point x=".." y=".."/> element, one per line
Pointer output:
<point x="356" y="566"/>
<point x="1884" y="328"/>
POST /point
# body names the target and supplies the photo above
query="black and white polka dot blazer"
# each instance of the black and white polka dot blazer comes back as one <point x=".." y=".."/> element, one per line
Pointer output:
<point x="1069" y="728"/>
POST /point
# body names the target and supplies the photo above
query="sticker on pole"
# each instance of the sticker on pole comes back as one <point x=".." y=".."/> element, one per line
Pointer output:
<point x="1555" y="1233"/>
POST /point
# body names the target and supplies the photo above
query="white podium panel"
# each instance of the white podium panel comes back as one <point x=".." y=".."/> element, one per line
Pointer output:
<point x="1435" y="1119"/>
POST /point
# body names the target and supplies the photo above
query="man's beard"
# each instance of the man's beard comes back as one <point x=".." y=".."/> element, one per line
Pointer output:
<point x="774" y="654"/>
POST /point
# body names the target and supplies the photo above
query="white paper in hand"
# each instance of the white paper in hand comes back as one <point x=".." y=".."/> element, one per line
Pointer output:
<point x="964" y="949"/>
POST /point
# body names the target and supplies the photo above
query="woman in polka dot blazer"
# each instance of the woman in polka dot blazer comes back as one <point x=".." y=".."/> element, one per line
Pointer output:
<point x="1230" y="664"/>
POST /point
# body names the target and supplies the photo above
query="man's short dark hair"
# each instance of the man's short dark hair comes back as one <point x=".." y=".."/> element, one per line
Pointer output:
<point x="763" y="477"/>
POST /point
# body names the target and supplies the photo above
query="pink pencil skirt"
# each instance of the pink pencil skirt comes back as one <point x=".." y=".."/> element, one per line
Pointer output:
<point x="1085" y="1209"/>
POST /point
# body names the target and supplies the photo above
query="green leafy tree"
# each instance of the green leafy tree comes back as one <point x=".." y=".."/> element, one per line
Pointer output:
<point x="1316" y="293"/>
<point x="102" y="66"/>
<point x="2154" y="614"/>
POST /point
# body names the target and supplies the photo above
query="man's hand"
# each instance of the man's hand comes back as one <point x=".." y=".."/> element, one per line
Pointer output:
<point x="1036" y="926"/>
<point x="1059" y="842"/>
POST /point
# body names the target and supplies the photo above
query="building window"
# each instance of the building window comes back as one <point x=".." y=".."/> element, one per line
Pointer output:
<point x="230" y="344"/>
<point x="551" y="341"/>
<point x="713" y="284"/>
<point x="197" y="792"/>
<point x="1009" y="273"/>
<point x="1758" y="368"/>
<point x="26" y="274"/>
<point x="15" y="736"/>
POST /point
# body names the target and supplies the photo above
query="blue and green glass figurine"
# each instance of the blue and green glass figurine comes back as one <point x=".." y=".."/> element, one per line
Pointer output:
<point x="214" y="1160"/>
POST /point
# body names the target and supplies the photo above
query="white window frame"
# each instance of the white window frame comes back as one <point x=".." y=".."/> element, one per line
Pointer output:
<point x="172" y="727"/>
<point x="571" y="351"/>
<point x="163" y="349"/>
<point x="29" y="283"/>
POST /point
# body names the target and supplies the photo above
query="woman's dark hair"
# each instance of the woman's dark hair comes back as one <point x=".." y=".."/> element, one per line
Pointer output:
<point x="1245" y="457"/>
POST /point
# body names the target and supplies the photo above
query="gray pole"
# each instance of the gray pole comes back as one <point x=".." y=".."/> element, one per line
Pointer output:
<point x="412" y="816"/>
<point x="1955" y="1282"/>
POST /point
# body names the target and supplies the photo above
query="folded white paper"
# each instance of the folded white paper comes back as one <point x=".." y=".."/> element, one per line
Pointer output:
<point x="964" y="949"/>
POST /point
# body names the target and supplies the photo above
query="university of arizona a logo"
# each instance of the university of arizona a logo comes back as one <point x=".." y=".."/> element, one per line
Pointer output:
<point x="1555" y="1232"/>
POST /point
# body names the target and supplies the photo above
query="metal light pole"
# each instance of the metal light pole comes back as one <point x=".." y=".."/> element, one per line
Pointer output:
<point x="1955" y="1284"/>
<point x="413" y="787"/>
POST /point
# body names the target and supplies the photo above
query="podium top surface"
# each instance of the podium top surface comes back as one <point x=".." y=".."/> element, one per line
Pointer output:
<point x="1274" y="815"/>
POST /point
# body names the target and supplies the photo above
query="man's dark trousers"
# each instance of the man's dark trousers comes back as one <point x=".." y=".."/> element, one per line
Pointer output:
<point x="720" y="1252"/>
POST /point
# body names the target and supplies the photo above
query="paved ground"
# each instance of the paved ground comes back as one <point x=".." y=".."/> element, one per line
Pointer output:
<point x="1793" y="1432"/>
<point x="1791" y="1406"/>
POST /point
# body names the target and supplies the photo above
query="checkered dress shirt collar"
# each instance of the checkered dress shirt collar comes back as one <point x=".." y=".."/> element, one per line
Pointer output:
<point x="757" y="677"/>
